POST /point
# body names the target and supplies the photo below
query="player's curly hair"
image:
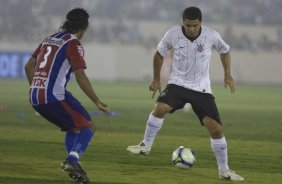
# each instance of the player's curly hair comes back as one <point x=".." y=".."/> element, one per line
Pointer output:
<point x="76" y="20"/>
<point x="192" y="13"/>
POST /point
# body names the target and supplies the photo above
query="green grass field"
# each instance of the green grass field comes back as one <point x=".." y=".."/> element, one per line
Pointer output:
<point x="31" y="149"/>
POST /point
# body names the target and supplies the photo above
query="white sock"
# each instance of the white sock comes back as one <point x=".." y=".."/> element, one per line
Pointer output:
<point x="219" y="147"/>
<point x="75" y="154"/>
<point x="154" y="124"/>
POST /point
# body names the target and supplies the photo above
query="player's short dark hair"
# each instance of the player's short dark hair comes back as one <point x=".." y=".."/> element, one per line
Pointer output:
<point x="76" y="20"/>
<point x="192" y="13"/>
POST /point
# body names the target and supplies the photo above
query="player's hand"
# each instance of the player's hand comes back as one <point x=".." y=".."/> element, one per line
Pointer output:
<point x="229" y="81"/>
<point x="102" y="107"/>
<point x="155" y="86"/>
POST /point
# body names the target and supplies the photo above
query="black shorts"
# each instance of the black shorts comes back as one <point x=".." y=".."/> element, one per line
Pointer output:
<point x="203" y="104"/>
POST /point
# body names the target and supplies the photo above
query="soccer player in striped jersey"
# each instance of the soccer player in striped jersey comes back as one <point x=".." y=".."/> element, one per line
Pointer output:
<point x="48" y="71"/>
<point x="189" y="82"/>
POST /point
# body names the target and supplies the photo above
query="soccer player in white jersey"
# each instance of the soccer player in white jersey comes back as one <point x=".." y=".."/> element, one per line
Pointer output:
<point x="191" y="44"/>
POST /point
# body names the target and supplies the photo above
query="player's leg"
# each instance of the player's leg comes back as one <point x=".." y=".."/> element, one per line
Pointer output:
<point x="70" y="140"/>
<point x="205" y="107"/>
<point x="79" y="142"/>
<point x="154" y="124"/>
<point x="218" y="142"/>
<point x="71" y="165"/>
<point x="80" y="131"/>
<point x="72" y="118"/>
<point x="219" y="147"/>
<point x="168" y="101"/>
<point x="64" y="116"/>
<point x="78" y="136"/>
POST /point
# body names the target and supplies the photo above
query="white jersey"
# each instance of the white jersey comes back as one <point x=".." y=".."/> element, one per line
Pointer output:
<point x="191" y="59"/>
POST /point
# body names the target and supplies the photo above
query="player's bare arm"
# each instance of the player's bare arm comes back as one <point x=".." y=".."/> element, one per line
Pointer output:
<point x="29" y="69"/>
<point x="228" y="79"/>
<point x="157" y="64"/>
<point x="86" y="87"/>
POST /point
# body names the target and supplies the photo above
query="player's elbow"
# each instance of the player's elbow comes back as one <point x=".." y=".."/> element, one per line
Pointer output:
<point x="30" y="64"/>
<point x="27" y="67"/>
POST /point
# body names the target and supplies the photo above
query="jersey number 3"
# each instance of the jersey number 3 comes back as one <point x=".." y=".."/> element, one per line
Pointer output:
<point x="45" y="58"/>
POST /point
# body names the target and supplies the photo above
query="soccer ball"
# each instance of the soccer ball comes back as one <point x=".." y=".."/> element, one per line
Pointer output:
<point x="183" y="157"/>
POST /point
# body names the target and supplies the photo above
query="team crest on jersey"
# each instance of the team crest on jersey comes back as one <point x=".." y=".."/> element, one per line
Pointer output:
<point x="200" y="47"/>
<point x="80" y="50"/>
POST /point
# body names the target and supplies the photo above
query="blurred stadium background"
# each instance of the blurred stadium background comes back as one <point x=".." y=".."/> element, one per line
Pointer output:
<point x="123" y="35"/>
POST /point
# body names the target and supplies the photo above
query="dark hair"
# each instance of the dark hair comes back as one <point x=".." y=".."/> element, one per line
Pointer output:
<point x="192" y="13"/>
<point x="77" y="19"/>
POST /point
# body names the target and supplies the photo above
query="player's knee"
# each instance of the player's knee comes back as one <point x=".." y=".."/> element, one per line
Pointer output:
<point x="216" y="133"/>
<point x="161" y="109"/>
<point x="92" y="127"/>
<point x="158" y="113"/>
<point x="214" y="128"/>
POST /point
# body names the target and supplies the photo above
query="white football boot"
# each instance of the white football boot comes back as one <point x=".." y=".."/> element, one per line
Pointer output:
<point x="230" y="175"/>
<point x="139" y="149"/>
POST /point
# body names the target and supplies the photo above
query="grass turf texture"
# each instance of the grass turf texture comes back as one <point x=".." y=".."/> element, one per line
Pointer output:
<point x="31" y="149"/>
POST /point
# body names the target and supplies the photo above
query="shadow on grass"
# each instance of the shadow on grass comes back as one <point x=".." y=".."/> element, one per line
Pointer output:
<point x="12" y="180"/>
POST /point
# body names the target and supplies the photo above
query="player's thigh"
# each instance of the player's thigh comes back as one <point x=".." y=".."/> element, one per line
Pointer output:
<point x="68" y="114"/>
<point x="56" y="114"/>
<point x="171" y="98"/>
<point x="204" y="105"/>
<point x="77" y="112"/>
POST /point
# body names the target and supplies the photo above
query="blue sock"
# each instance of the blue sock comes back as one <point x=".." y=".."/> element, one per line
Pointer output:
<point x="70" y="139"/>
<point x="82" y="142"/>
